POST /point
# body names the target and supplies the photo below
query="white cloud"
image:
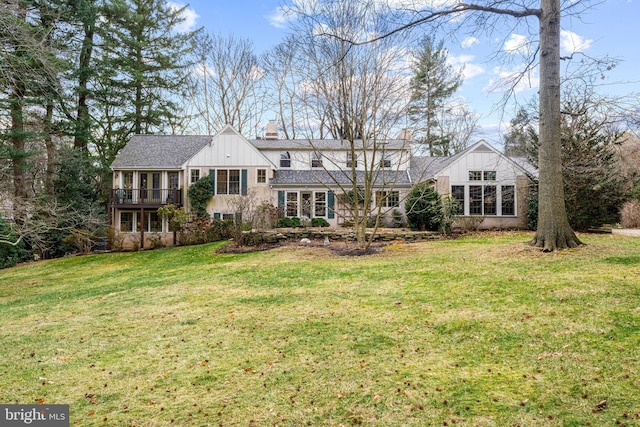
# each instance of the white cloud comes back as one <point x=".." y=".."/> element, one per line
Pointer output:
<point x="470" y="69"/>
<point x="280" y="17"/>
<point x="416" y="4"/>
<point x="469" y="41"/>
<point x="189" y="15"/>
<point x="517" y="44"/>
<point x="512" y="79"/>
<point x="571" y="42"/>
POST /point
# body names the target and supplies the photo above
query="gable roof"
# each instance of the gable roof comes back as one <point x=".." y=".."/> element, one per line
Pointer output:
<point x="227" y="134"/>
<point x="159" y="151"/>
<point x="425" y="167"/>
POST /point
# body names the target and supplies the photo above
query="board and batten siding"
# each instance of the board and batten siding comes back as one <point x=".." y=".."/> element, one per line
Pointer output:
<point x="458" y="172"/>
<point x="229" y="150"/>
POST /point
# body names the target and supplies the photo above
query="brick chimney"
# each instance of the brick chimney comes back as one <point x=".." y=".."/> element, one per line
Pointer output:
<point x="406" y="135"/>
<point x="271" y="133"/>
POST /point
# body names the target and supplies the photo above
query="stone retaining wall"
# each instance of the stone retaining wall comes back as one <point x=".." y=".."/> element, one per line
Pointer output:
<point x="385" y="235"/>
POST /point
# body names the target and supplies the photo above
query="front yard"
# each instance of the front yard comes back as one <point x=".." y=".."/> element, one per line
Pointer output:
<point x="478" y="331"/>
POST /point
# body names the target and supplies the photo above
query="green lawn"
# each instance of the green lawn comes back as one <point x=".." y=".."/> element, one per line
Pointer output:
<point x="479" y="331"/>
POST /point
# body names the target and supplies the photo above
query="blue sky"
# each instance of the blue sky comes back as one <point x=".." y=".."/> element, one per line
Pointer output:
<point x="609" y="28"/>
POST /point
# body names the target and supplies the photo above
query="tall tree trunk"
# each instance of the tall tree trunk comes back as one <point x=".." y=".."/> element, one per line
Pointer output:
<point x="18" y="137"/>
<point x="51" y="149"/>
<point x="81" y="137"/>
<point x="554" y="231"/>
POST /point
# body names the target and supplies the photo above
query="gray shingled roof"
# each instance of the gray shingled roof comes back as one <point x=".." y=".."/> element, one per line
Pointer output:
<point x="329" y="178"/>
<point x="159" y="151"/>
<point x="423" y="168"/>
<point x="319" y="144"/>
<point x="523" y="162"/>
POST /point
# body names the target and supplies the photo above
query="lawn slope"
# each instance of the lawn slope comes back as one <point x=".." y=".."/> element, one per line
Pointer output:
<point x="479" y="331"/>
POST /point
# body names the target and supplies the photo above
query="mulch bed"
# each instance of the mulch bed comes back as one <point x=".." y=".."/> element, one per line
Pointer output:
<point x="338" y="248"/>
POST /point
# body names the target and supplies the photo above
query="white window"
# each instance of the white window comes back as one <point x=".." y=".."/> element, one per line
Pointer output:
<point x="482" y="175"/>
<point x="385" y="162"/>
<point x="316" y="159"/>
<point x="195" y="175"/>
<point x="351" y="161"/>
<point x="508" y="200"/>
<point x="262" y="176"/>
<point x="486" y="199"/>
<point x="285" y="159"/>
<point x="292" y="204"/>
<point x="127" y="222"/>
<point x="153" y="222"/>
<point x="388" y="199"/>
<point x="475" y="175"/>
<point x="320" y="204"/>
<point x="228" y="181"/>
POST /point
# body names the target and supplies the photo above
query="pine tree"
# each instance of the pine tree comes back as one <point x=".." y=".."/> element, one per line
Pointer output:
<point x="433" y="83"/>
<point x="142" y="70"/>
<point x="29" y="72"/>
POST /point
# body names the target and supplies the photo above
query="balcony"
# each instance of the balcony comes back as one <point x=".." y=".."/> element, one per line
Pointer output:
<point x="144" y="197"/>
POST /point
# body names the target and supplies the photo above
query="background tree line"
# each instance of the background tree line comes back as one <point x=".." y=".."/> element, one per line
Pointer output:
<point x="79" y="77"/>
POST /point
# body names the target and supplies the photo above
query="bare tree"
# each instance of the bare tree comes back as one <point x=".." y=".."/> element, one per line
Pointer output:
<point x="37" y="218"/>
<point x="554" y="231"/>
<point x="282" y="85"/>
<point x="359" y="96"/>
<point x="457" y="124"/>
<point x="227" y="83"/>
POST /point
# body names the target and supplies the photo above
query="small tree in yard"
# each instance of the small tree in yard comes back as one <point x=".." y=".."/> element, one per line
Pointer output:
<point x="357" y="94"/>
<point x="424" y="208"/>
<point x="177" y="218"/>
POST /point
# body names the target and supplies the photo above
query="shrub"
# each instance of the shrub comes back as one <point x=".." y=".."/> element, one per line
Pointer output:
<point x="630" y="214"/>
<point x="398" y="218"/>
<point x="81" y="240"/>
<point x="532" y="209"/>
<point x="200" y="192"/>
<point x="155" y="241"/>
<point x="450" y="211"/>
<point x="11" y="255"/>
<point x="204" y="230"/>
<point x="115" y="240"/>
<point x="319" y="222"/>
<point x="287" y="222"/>
<point x="424" y="208"/>
<point x="266" y="215"/>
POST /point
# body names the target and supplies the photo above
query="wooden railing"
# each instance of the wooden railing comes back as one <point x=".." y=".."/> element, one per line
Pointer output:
<point x="145" y="196"/>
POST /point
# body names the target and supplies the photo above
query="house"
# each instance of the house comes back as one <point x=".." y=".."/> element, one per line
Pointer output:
<point x="304" y="178"/>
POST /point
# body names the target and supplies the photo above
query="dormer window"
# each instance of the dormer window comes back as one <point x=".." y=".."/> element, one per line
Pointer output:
<point x="385" y="162"/>
<point x="316" y="159"/>
<point x="285" y="159"/>
<point x="351" y="161"/>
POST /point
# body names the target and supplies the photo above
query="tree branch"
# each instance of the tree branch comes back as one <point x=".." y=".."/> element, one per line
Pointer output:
<point x="459" y="8"/>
